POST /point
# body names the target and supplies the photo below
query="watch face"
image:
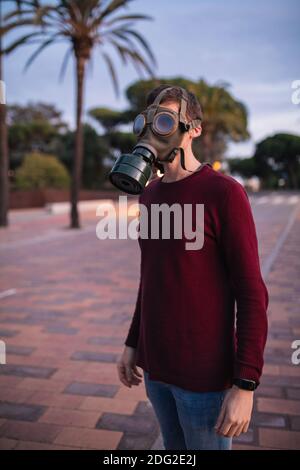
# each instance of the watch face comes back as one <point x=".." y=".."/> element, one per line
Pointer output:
<point x="245" y="384"/>
<point x="251" y="386"/>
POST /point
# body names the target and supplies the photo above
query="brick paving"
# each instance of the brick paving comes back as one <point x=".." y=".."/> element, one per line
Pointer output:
<point x="66" y="302"/>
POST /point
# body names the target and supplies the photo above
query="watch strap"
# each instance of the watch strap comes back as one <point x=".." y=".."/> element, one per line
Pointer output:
<point x="245" y="384"/>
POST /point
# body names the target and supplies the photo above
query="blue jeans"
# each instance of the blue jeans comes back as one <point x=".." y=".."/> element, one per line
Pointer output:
<point x="186" y="418"/>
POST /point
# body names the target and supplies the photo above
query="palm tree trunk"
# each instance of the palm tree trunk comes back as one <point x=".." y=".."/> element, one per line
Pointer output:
<point x="4" y="186"/>
<point x="78" y="156"/>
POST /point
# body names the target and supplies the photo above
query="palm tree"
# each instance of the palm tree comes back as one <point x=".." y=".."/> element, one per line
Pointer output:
<point x="225" y="119"/>
<point x="85" y="24"/>
<point x="6" y="27"/>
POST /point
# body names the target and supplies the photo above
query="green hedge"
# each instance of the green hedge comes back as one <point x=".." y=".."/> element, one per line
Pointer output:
<point x="40" y="170"/>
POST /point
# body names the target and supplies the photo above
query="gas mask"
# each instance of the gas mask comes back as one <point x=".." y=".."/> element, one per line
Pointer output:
<point x="160" y="131"/>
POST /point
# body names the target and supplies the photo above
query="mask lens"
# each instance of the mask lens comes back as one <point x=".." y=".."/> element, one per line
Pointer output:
<point x="139" y="124"/>
<point x="164" y="124"/>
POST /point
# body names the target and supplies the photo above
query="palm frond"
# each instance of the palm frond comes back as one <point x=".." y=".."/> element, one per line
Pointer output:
<point x="75" y="12"/>
<point x="133" y="55"/>
<point x="64" y="63"/>
<point x="113" y="5"/>
<point x="138" y="59"/>
<point x="121" y="35"/>
<point x="120" y="49"/>
<point x="15" y="24"/>
<point x="142" y="41"/>
<point x="112" y="71"/>
<point x="46" y="43"/>
<point x="17" y="12"/>
<point x="19" y="42"/>
<point x="128" y="17"/>
<point x="44" y="11"/>
<point x="33" y="3"/>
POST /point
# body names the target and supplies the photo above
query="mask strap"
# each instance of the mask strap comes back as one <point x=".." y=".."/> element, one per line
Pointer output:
<point x="153" y="106"/>
<point x="160" y="95"/>
<point x="195" y="123"/>
<point x="183" y="106"/>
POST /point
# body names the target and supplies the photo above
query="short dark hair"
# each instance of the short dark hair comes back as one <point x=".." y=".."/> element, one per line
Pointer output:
<point x="194" y="110"/>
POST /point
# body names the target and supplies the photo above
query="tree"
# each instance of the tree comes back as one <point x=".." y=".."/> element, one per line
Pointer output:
<point x="225" y="118"/>
<point x="39" y="111"/>
<point x="279" y="155"/>
<point x="95" y="152"/>
<point x="85" y="25"/>
<point x="39" y="127"/>
<point x="107" y="118"/>
<point x="122" y="141"/>
<point x="33" y="127"/>
<point x="246" y="167"/>
<point x="40" y="170"/>
<point x="7" y="24"/>
<point x="111" y="120"/>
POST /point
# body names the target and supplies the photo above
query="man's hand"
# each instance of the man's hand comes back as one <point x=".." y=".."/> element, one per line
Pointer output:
<point x="235" y="414"/>
<point x="127" y="370"/>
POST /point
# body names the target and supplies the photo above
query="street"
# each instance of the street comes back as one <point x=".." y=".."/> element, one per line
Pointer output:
<point x="66" y="302"/>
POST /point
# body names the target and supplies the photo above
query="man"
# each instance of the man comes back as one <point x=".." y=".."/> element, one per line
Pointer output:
<point x="202" y="360"/>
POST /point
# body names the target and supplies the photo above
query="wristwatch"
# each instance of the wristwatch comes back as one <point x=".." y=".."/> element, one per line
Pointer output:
<point x="245" y="384"/>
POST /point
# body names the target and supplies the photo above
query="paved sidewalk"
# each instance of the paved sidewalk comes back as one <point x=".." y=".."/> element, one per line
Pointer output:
<point x="66" y="301"/>
<point x="276" y="417"/>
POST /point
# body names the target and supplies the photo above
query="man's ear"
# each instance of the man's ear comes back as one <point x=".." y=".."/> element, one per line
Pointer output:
<point x="196" y="132"/>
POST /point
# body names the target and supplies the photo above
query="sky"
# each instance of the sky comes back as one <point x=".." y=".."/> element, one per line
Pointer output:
<point x="252" y="45"/>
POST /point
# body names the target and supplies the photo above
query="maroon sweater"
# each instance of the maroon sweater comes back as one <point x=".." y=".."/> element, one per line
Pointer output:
<point x="184" y="325"/>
